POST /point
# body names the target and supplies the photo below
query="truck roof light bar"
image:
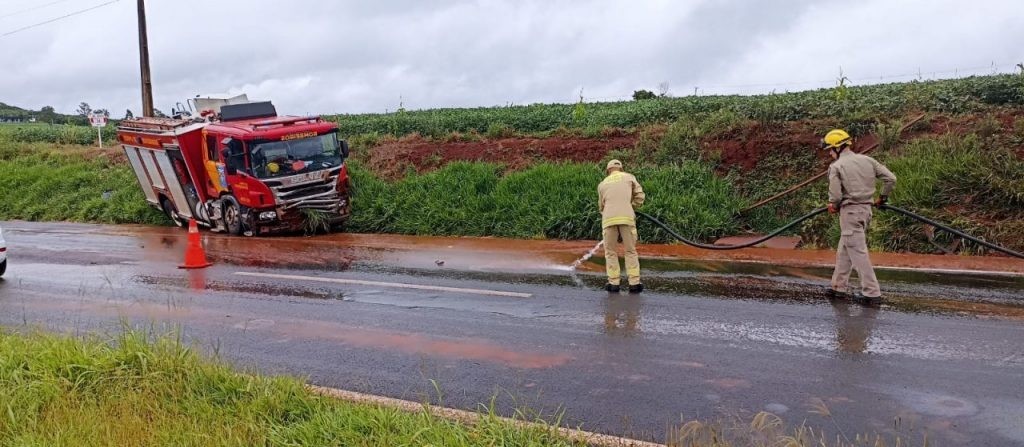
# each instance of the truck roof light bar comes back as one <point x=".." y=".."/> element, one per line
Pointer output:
<point x="286" y="121"/>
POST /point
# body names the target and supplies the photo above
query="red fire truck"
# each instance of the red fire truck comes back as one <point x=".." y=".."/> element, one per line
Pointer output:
<point x="239" y="167"/>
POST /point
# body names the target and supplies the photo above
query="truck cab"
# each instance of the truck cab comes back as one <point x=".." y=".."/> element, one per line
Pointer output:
<point x="240" y="168"/>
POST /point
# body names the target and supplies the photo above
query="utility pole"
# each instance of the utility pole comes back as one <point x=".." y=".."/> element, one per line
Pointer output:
<point x="147" y="83"/>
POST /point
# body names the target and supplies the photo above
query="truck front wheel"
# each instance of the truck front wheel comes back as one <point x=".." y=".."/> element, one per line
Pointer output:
<point x="232" y="218"/>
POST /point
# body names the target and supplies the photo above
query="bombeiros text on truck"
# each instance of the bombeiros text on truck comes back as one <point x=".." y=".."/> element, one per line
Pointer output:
<point x="238" y="167"/>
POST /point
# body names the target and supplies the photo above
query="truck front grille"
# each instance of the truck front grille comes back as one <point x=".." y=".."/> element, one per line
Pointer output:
<point x="319" y="194"/>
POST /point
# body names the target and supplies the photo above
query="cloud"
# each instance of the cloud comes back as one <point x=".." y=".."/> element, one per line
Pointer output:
<point x="355" y="56"/>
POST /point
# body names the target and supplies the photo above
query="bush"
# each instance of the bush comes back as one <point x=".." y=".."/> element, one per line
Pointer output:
<point x="499" y="130"/>
<point x="641" y="95"/>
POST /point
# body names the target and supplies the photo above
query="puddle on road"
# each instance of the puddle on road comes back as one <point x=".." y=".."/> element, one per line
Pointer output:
<point x="419" y="344"/>
<point x="186" y="311"/>
<point x="995" y="302"/>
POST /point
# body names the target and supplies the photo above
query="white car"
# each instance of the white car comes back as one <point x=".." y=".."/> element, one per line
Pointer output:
<point x="3" y="253"/>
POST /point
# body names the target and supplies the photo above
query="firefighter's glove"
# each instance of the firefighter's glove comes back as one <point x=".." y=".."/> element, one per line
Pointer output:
<point x="832" y="208"/>
<point x="881" y="200"/>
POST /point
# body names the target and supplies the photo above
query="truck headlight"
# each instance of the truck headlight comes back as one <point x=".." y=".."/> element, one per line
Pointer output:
<point x="268" y="215"/>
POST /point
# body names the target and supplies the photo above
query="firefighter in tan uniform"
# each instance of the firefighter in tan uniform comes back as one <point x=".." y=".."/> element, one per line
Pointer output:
<point x="617" y="195"/>
<point x="851" y="188"/>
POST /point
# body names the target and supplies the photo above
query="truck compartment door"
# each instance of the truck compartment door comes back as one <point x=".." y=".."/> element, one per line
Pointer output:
<point x="135" y="157"/>
<point x="178" y="180"/>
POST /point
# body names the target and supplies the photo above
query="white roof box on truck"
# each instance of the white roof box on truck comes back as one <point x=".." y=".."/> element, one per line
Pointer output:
<point x="215" y="102"/>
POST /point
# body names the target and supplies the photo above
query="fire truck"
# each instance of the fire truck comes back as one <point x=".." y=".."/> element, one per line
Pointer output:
<point x="235" y="166"/>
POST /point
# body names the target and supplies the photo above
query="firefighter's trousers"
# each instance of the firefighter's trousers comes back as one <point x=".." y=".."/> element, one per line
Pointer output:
<point x="612" y="249"/>
<point x="853" y="251"/>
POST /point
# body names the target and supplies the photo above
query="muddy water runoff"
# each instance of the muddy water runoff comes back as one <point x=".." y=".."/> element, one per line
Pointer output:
<point x="973" y="285"/>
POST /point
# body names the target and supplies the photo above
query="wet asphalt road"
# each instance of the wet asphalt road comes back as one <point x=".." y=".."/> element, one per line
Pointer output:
<point x="945" y="360"/>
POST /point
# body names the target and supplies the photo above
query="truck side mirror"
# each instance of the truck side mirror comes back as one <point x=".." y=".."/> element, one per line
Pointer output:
<point x="344" y="149"/>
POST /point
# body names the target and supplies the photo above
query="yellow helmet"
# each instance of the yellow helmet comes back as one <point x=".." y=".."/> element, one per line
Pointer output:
<point x="273" y="167"/>
<point x="835" y="139"/>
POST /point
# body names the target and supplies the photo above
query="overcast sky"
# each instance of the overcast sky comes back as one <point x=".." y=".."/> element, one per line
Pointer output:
<point x="328" y="56"/>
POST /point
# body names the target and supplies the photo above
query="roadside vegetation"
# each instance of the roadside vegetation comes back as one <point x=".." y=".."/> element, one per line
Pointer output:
<point x="141" y="390"/>
<point x="40" y="181"/>
<point x="531" y="171"/>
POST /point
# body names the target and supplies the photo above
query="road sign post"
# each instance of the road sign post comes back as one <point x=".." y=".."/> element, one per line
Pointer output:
<point x="99" y="121"/>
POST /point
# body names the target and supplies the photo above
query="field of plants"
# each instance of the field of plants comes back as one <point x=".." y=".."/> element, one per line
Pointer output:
<point x="531" y="171"/>
<point x="56" y="133"/>
<point x="855" y="107"/>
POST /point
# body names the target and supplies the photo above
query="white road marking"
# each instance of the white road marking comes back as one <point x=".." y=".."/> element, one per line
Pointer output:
<point x="396" y="285"/>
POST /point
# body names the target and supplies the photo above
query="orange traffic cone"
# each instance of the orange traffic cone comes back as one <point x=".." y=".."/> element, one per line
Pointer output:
<point x="195" y="256"/>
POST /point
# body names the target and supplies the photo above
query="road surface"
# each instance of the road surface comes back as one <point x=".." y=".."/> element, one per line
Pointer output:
<point x="468" y="323"/>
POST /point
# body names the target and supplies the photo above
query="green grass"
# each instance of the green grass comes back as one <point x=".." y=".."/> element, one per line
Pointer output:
<point x="968" y="182"/>
<point x="556" y="201"/>
<point x="135" y="390"/>
<point x="46" y="184"/>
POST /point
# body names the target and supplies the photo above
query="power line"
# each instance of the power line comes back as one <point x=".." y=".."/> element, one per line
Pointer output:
<point x="31" y="9"/>
<point x="58" y="18"/>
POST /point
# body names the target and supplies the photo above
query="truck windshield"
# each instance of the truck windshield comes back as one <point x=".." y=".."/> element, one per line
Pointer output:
<point x="280" y="158"/>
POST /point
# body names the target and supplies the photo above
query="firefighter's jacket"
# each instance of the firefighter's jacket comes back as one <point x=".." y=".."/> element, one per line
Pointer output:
<point x="617" y="195"/>
<point x="852" y="177"/>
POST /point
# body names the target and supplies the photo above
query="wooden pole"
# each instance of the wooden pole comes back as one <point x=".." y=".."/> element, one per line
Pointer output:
<point x="147" y="84"/>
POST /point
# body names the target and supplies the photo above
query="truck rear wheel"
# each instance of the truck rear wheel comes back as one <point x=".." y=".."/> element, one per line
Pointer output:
<point x="171" y="212"/>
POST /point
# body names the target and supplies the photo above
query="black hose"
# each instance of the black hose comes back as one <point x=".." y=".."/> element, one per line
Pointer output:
<point x="951" y="230"/>
<point x="730" y="247"/>
<point x="817" y="212"/>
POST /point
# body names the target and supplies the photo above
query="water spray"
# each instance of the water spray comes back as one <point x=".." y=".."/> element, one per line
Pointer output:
<point x="586" y="257"/>
<point x="580" y="261"/>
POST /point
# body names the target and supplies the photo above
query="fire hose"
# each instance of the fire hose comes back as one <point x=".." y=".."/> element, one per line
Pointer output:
<point x="818" y="211"/>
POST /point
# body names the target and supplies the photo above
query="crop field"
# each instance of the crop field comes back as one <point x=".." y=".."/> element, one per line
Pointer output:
<point x="56" y="133"/>
<point x="854" y="107"/>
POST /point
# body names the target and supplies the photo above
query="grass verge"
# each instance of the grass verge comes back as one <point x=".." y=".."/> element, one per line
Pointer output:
<point x="137" y="390"/>
<point x="557" y="201"/>
<point x="48" y="183"/>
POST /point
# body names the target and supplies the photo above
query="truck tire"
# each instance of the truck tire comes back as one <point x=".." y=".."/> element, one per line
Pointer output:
<point x="232" y="216"/>
<point x="3" y="267"/>
<point x="171" y="212"/>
